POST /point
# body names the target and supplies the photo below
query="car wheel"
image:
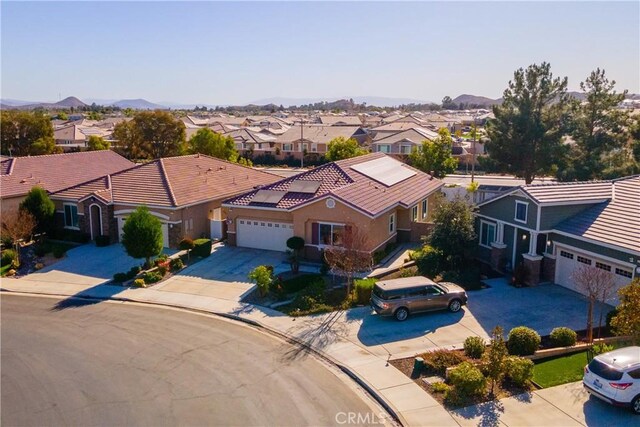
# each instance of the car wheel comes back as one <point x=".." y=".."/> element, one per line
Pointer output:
<point x="635" y="405"/>
<point x="401" y="314"/>
<point x="455" y="305"/>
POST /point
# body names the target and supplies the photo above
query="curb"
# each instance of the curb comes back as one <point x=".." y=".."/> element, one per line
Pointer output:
<point x="373" y="393"/>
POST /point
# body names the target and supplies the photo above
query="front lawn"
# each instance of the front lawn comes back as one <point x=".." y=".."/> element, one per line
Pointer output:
<point x="4" y="269"/>
<point x="560" y="370"/>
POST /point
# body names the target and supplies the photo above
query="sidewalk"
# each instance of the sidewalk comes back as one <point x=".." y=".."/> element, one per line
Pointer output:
<point x="407" y="400"/>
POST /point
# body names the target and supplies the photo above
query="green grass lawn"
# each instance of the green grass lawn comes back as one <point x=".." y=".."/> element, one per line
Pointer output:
<point x="4" y="269"/>
<point x="560" y="370"/>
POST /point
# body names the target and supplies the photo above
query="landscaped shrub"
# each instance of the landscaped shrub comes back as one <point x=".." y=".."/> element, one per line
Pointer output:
<point x="9" y="256"/>
<point x="295" y="243"/>
<point x="563" y="337"/>
<point x="304" y="302"/>
<point x="474" y="347"/>
<point x="467" y="380"/>
<point x="59" y="251"/>
<point x="601" y="348"/>
<point x="440" y="387"/>
<point x="519" y="370"/>
<point x="177" y="264"/>
<point x="523" y="341"/>
<point x="299" y="283"/>
<point x="440" y="360"/>
<point x="202" y="247"/>
<point x="133" y="271"/>
<point x="362" y="290"/>
<point x="139" y="283"/>
<point x="120" y="277"/>
<point x="102" y="241"/>
<point x="428" y="260"/>
<point x="162" y="270"/>
<point x="263" y="277"/>
<point x="161" y="259"/>
<point x="151" y="277"/>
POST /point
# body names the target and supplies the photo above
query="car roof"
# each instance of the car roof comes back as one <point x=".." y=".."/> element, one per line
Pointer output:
<point x="404" y="282"/>
<point x="621" y="358"/>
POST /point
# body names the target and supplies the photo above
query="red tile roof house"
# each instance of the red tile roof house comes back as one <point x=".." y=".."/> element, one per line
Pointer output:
<point x="53" y="173"/>
<point x="184" y="192"/>
<point x="380" y="196"/>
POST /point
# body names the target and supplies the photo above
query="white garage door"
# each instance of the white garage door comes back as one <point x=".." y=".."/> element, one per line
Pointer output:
<point x="165" y="231"/>
<point x="259" y="234"/>
<point x="568" y="260"/>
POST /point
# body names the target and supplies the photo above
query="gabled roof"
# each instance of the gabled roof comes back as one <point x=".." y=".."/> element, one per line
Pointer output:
<point x="54" y="172"/>
<point x="341" y="181"/>
<point x="414" y="135"/>
<point x="317" y="133"/>
<point x="341" y="120"/>
<point x="615" y="222"/>
<point x="564" y="193"/>
<point x="172" y="182"/>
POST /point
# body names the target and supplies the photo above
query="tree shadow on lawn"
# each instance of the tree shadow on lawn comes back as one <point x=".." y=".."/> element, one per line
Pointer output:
<point x="488" y="413"/>
<point x="375" y="329"/>
<point x="316" y="336"/>
<point x="90" y="296"/>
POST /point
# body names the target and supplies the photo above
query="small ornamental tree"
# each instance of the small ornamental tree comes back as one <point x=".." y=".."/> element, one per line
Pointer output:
<point x="351" y="257"/>
<point x="263" y="277"/>
<point x="40" y="206"/>
<point x="495" y="357"/>
<point x="142" y="237"/>
<point x="596" y="284"/>
<point x="453" y="232"/>
<point x="295" y="244"/>
<point x="16" y="226"/>
<point x="97" y="143"/>
<point x="340" y="148"/>
<point x="627" y="318"/>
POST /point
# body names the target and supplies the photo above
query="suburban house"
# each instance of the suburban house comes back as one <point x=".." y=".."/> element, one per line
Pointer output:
<point x="402" y="143"/>
<point x="379" y="196"/>
<point x="314" y="139"/>
<point x="553" y="228"/>
<point x="184" y="192"/>
<point x="54" y="172"/>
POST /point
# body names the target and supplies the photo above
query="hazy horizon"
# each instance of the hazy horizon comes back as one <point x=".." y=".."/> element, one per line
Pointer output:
<point x="236" y="53"/>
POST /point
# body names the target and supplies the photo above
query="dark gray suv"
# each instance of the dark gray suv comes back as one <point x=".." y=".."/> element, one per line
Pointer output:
<point x="401" y="297"/>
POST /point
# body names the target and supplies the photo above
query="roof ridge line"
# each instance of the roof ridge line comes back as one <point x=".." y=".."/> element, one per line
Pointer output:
<point x="165" y="178"/>
<point x="12" y="165"/>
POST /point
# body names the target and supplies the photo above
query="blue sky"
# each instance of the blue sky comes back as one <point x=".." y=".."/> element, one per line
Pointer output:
<point x="222" y="53"/>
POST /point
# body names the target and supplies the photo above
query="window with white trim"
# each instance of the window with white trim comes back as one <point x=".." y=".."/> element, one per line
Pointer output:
<point x="414" y="213"/>
<point x="487" y="233"/>
<point x="624" y="273"/>
<point x="287" y="147"/>
<point x="405" y="149"/>
<point x="521" y="211"/>
<point x="384" y="148"/>
<point x="331" y="234"/>
<point x="392" y="223"/>
<point x="425" y="206"/>
<point x="603" y="266"/>
<point x="71" y="216"/>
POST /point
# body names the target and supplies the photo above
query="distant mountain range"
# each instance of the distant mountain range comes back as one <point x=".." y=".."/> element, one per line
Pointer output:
<point x="379" y="101"/>
<point x="476" y="100"/>
<point x="72" y="101"/>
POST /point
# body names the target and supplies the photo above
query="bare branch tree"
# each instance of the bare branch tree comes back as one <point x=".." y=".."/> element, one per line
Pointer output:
<point x="16" y="226"/>
<point x="597" y="284"/>
<point x="351" y="256"/>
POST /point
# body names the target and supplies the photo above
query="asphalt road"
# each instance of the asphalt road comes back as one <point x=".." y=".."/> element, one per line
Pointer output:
<point x="121" y="364"/>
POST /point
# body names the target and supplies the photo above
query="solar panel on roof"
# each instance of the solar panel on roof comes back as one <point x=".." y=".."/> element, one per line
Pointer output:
<point x="301" y="186"/>
<point x="268" y="196"/>
<point x="385" y="170"/>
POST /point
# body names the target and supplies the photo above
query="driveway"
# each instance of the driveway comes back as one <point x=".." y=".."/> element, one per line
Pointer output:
<point x="541" y="308"/>
<point x="224" y="273"/>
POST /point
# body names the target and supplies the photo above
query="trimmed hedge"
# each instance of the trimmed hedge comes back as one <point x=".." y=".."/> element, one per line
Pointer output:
<point x="440" y="360"/>
<point x="202" y="247"/>
<point x="563" y="337"/>
<point x="362" y="290"/>
<point x="9" y="256"/>
<point x="523" y="341"/>
<point x="299" y="283"/>
<point x="474" y="347"/>
<point x="519" y="370"/>
<point x="467" y="380"/>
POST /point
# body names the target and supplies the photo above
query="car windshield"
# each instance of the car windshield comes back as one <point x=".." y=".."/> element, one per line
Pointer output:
<point x="605" y="371"/>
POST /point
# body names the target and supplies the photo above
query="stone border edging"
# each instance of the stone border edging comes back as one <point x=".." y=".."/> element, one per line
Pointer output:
<point x="287" y="337"/>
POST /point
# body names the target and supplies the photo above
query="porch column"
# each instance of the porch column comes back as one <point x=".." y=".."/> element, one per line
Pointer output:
<point x="500" y="232"/>
<point x="533" y="243"/>
<point x="532" y="260"/>
<point x="498" y="248"/>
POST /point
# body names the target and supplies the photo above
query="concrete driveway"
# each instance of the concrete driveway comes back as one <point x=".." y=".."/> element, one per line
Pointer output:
<point x="86" y="265"/>
<point x="541" y="308"/>
<point x="224" y="273"/>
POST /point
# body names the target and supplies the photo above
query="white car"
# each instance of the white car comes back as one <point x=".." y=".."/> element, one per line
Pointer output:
<point x="615" y="377"/>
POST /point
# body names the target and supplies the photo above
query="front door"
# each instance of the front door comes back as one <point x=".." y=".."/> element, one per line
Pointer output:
<point x="95" y="219"/>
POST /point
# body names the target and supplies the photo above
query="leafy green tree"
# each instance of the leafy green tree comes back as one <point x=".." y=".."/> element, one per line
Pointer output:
<point x="435" y="156"/>
<point x="626" y="321"/>
<point x="97" y="143"/>
<point x="142" y="234"/>
<point x="598" y="129"/>
<point x="525" y="138"/>
<point x="151" y="135"/>
<point x="341" y="148"/>
<point x="448" y="104"/>
<point x="24" y="133"/>
<point x="495" y="357"/>
<point x="94" y="115"/>
<point x="453" y="232"/>
<point x="41" y="208"/>
<point x="263" y="277"/>
<point x="62" y="116"/>
<point x="210" y="143"/>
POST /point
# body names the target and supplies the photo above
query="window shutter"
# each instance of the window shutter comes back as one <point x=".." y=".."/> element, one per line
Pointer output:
<point x="315" y="231"/>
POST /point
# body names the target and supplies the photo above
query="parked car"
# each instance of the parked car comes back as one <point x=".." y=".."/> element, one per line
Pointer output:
<point x="615" y="377"/>
<point x="402" y="297"/>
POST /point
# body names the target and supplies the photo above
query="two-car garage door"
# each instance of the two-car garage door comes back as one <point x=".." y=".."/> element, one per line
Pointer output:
<point x="261" y="234"/>
<point x="568" y="260"/>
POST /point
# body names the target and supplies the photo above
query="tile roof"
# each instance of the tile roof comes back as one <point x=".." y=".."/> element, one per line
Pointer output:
<point x="415" y="135"/>
<point x="569" y="192"/>
<point x="172" y="182"/>
<point x="341" y="120"/>
<point x="317" y="133"/>
<point x="339" y="180"/>
<point x="616" y="222"/>
<point x="54" y="172"/>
